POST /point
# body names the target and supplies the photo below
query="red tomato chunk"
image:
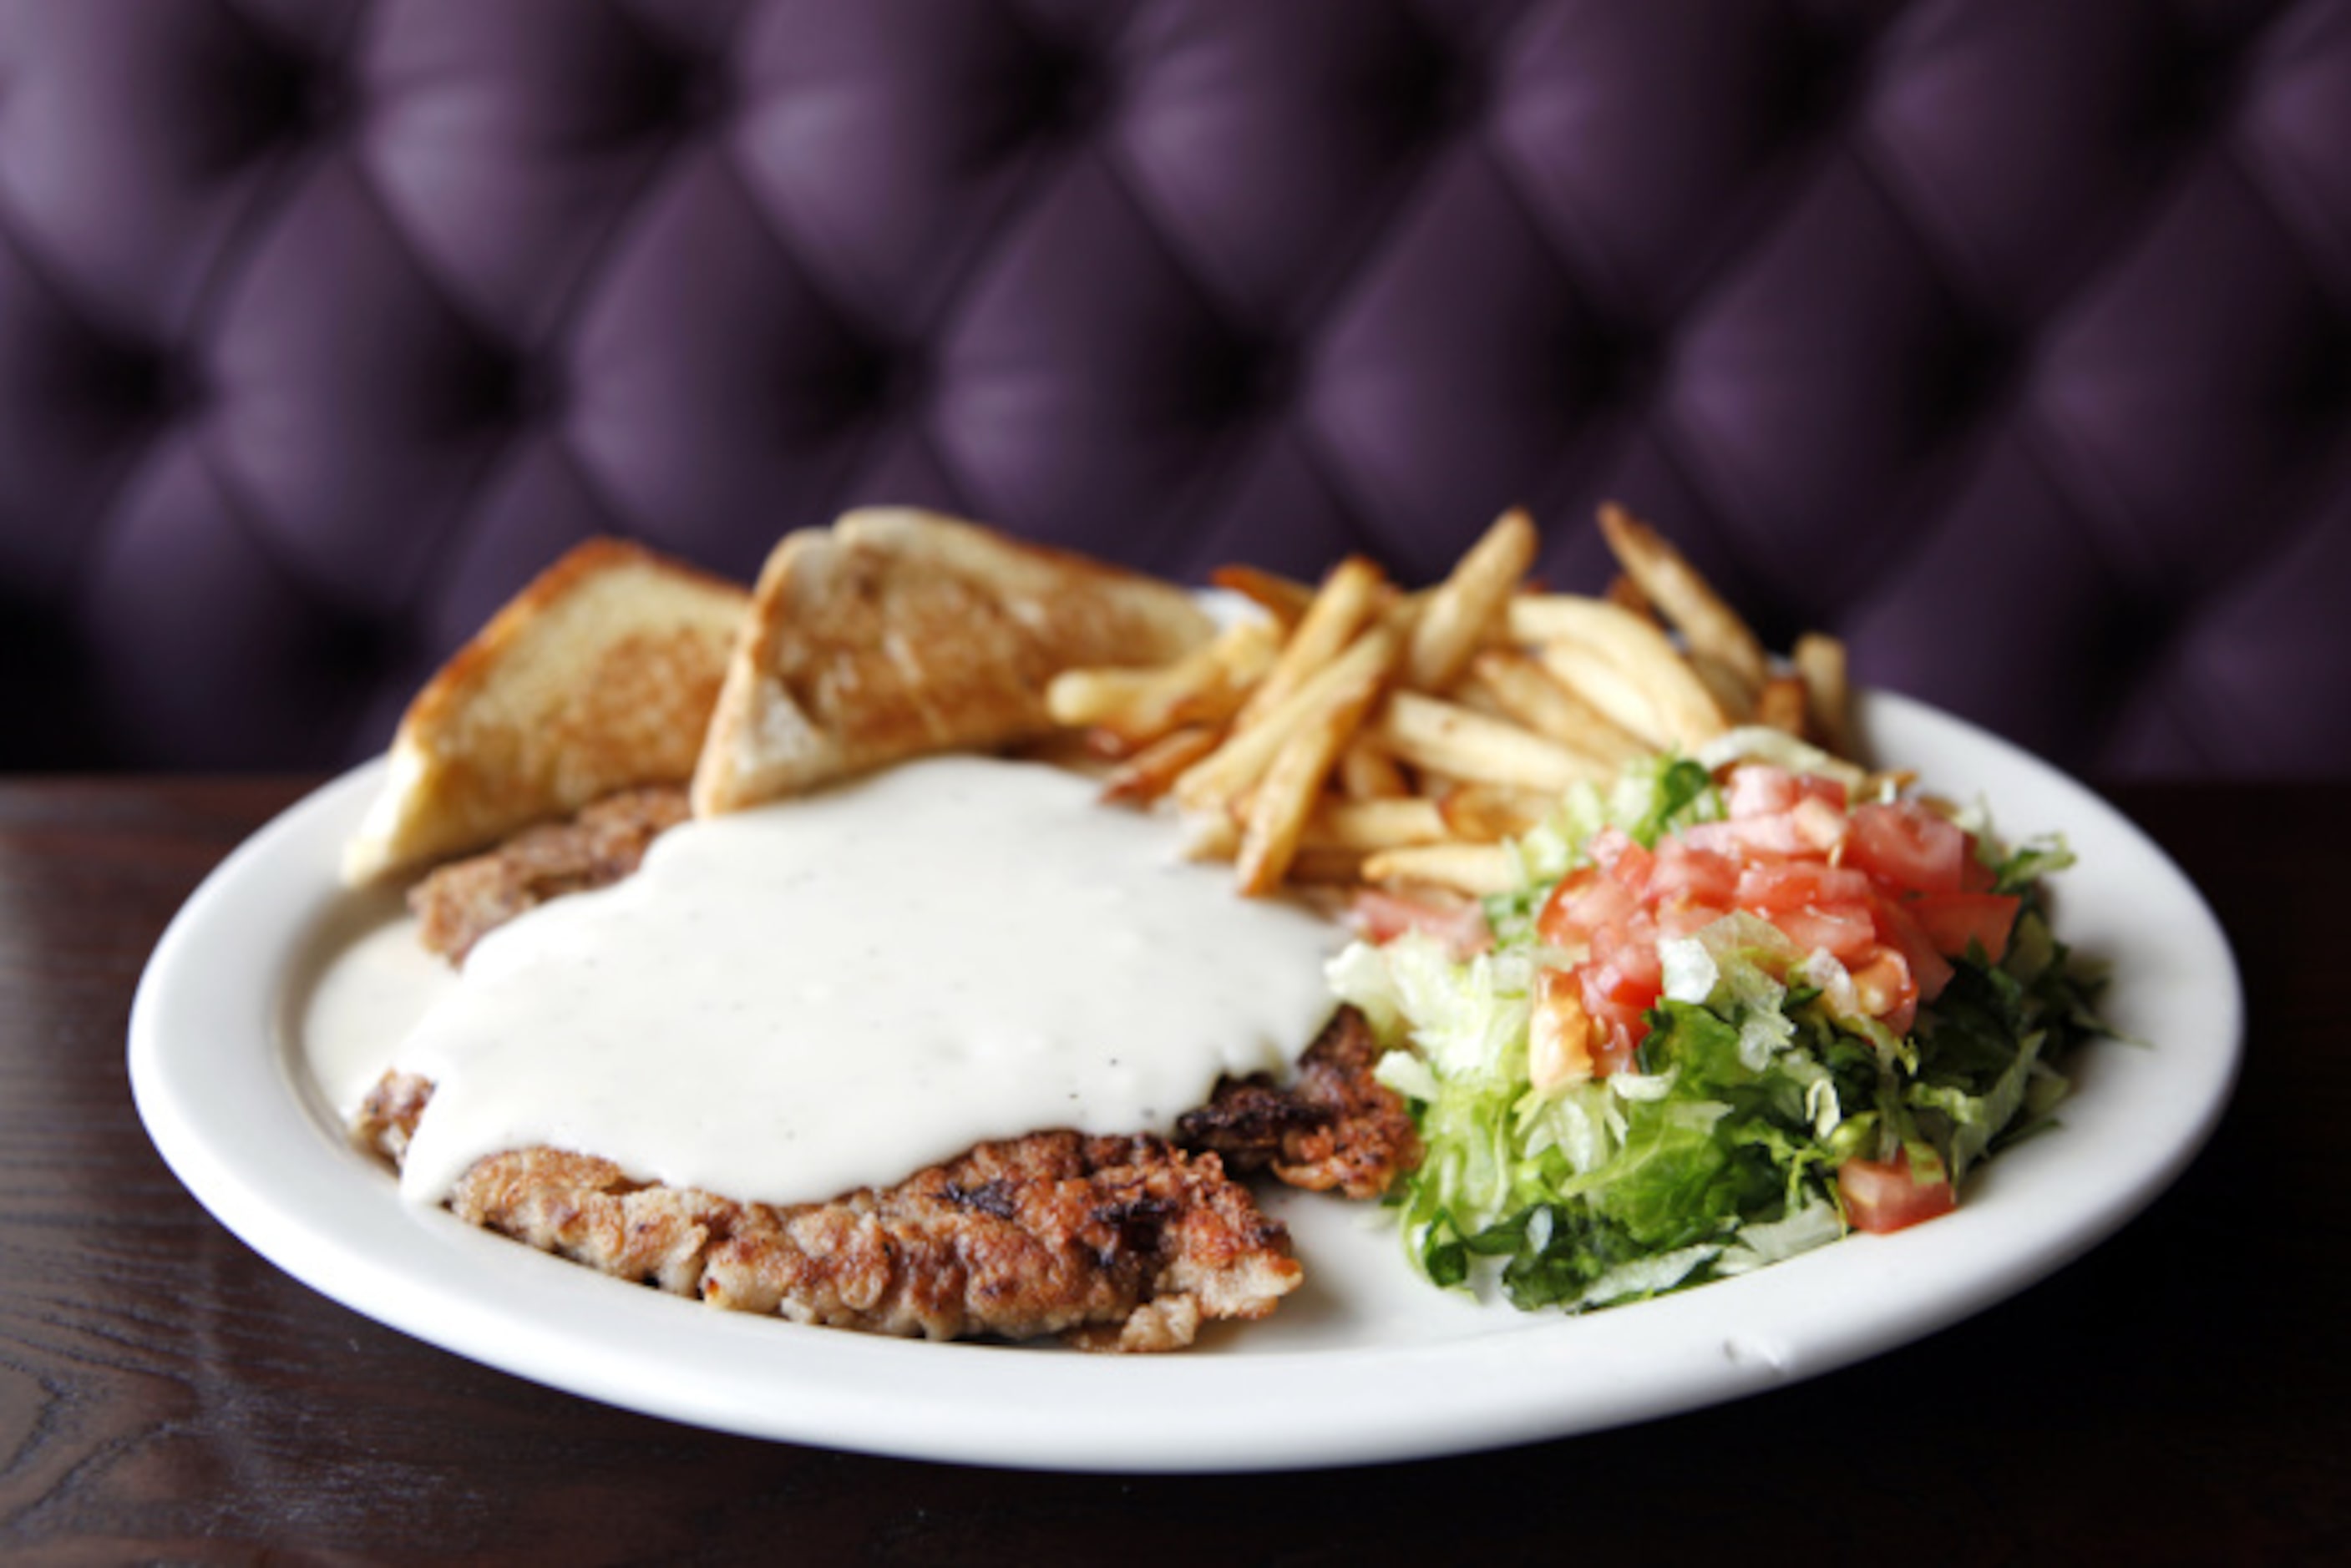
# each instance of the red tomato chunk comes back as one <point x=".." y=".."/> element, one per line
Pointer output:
<point x="1891" y="891"/>
<point x="1884" y="1195"/>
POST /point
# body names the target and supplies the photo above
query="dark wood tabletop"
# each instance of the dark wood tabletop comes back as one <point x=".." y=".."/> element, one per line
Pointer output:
<point x="2181" y="1394"/>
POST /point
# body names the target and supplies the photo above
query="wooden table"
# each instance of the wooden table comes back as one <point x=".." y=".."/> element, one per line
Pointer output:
<point x="2183" y="1394"/>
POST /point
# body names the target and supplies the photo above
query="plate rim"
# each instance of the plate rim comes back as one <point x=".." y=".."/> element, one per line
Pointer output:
<point x="222" y="966"/>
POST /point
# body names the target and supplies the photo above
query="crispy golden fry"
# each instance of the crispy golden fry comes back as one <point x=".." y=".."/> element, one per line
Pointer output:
<point x="1277" y="595"/>
<point x="1487" y="813"/>
<point x="1218" y="780"/>
<point x="1718" y="637"/>
<point x="1286" y="797"/>
<point x="1367" y="773"/>
<point x="1625" y="593"/>
<point x="1476" y="869"/>
<point x="1365" y="734"/>
<point x="1781" y="704"/>
<point x="1327" y="865"/>
<point x="1342" y="606"/>
<point x="1622" y="665"/>
<point x="1820" y="662"/>
<point x="1367" y="824"/>
<point x="1477" y="695"/>
<point x="1211" y="835"/>
<point x="1152" y="771"/>
<point x="1530" y="694"/>
<point x="1450" y="739"/>
<point x="1460" y="613"/>
<point x="1207" y="686"/>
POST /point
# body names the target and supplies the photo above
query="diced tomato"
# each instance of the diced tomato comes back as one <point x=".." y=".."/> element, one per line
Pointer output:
<point x="1381" y="917"/>
<point x="1975" y="876"/>
<point x="1879" y="890"/>
<point x="1699" y="874"/>
<point x="1584" y="902"/>
<point x="1814" y="905"/>
<point x="1845" y="931"/>
<point x="1929" y="967"/>
<point x="1952" y="920"/>
<point x="1635" y="870"/>
<point x="1824" y="826"/>
<point x="1682" y="915"/>
<point x="1883" y="1195"/>
<point x="1757" y="789"/>
<point x="1799" y="885"/>
<point x="1907" y="847"/>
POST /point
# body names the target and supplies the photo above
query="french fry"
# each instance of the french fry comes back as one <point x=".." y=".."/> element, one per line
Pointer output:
<point x="1152" y="771"/>
<point x="1450" y="739"/>
<point x="1623" y="591"/>
<point x="1369" y="825"/>
<point x="1214" y="783"/>
<point x="1716" y="635"/>
<point x="1529" y="693"/>
<point x="1286" y="797"/>
<point x="1367" y="773"/>
<point x="1277" y="595"/>
<point x="1781" y="704"/>
<point x="1340" y="608"/>
<point x="1478" y="696"/>
<point x="1458" y="612"/>
<point x="1327" y="865"/>
<point x="1210" y="835"/>
<point x="1620" y="664"/>
<point x="1136" y="707"/>
<point x="1487" y="813"/>
<point x="1820" y="661"/>
<point x="1475" y="870"/>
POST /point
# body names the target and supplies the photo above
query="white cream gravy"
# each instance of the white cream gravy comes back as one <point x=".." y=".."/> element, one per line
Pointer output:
<point x="836" y="991"/>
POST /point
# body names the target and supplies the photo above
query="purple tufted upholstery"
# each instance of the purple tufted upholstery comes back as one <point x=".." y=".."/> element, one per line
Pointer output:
<point x="2011" y="339"/>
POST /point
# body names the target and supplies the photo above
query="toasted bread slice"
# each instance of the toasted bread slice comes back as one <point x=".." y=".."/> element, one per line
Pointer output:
<point x="600" y="675"/>
<point x="897" y="633"/>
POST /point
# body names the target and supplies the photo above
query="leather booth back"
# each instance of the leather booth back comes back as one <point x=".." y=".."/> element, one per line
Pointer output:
<point x="2009" y="339"/>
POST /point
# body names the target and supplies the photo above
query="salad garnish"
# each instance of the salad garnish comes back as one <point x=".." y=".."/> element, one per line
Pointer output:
<point x="1732" y="1008"/>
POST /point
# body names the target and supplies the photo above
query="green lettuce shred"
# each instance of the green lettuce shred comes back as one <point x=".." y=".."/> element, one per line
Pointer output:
<point x="1716" y="1153"/>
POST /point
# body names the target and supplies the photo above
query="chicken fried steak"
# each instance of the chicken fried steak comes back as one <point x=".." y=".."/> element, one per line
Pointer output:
<point x="1113" y="1243"/>
<point x="462" y="902"/>
<point x="1120" y="1243"/>
<point x="1335" y="1125"/>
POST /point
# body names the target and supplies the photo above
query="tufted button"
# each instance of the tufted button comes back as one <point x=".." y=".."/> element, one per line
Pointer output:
<point x="1242" y="380"/>
<point x="511" y="390"/>
<point x="1611" y="366"/>
<point x="2193" y="89"/>
<point x="685" y="96"/>
<point x="1437" y="93"/>
<point x="1979" y="373"/>
<point x="1819" y="80"/>
<point x="2326" y="386"/>
<point x="880" y="382"/>
<point x="144" y="382"/>
<point x="282" y="96"/>
<point x="1067" y="94"/>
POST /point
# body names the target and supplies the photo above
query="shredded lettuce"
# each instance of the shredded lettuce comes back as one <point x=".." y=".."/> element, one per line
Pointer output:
<point x="1716" y="1152"/>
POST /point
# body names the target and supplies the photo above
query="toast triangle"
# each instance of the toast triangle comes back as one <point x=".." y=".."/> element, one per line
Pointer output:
<point x="600" y="675"/>
<point x="899" y="633"/>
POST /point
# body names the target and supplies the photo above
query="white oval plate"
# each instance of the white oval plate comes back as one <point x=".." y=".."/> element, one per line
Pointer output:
<point x="1364" y="1363"/>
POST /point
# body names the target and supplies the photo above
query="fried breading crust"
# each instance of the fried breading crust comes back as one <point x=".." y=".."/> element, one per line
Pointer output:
<point x="1115" y="1243"/>
<point x="1335" y="1125"/>
<point x="460" y="903"/>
